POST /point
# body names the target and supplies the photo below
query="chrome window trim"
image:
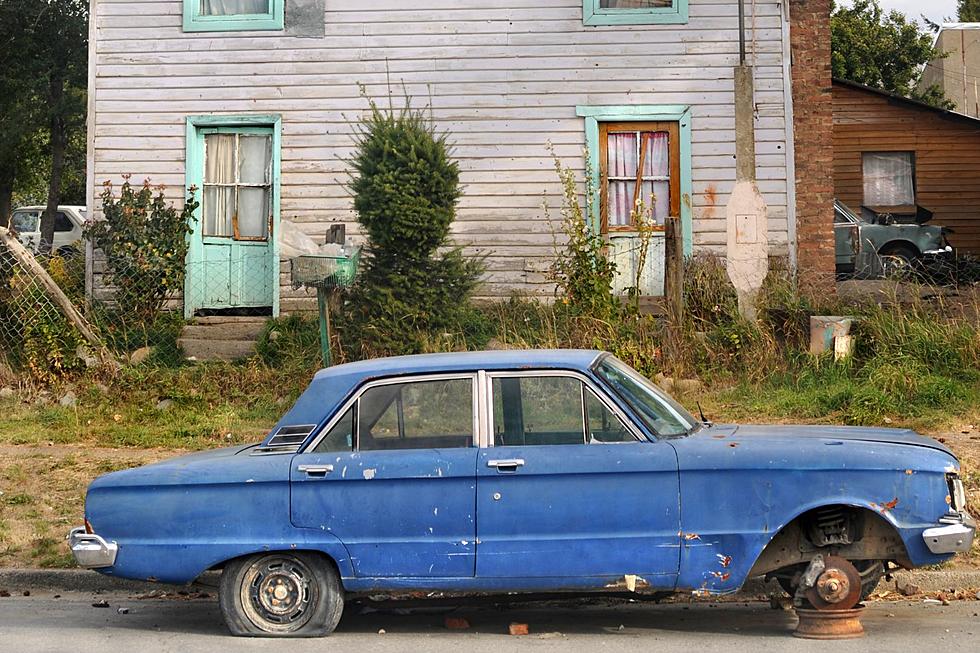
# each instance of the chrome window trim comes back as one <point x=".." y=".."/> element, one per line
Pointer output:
<point x="395" y="380"/>
<point x="483" y="404"/>
<point x="587" y="383"/>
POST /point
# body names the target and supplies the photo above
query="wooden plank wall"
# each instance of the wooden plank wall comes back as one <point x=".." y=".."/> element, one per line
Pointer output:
<point x="503" y="76"/>
<point x="947" y="157"/>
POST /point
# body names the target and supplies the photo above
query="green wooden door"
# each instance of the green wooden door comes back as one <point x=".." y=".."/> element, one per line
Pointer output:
<point x="232" y="260"/>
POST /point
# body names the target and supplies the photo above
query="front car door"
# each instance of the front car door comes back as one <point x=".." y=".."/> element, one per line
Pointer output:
<point x="393" y="478"/>
<point x="569" y="491"/>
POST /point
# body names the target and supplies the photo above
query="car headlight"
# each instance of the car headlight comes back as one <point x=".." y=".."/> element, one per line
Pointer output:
<point x="957" y="493"/>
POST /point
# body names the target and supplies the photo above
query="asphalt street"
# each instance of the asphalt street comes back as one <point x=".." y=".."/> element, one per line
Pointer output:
<point x="41" y="623"/>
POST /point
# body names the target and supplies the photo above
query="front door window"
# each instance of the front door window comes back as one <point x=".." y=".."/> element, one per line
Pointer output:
<point x="237" y="186"/>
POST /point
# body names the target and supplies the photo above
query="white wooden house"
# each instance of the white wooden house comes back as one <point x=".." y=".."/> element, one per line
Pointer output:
<point x="252" y="100"/>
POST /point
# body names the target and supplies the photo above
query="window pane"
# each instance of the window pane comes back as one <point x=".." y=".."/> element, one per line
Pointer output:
<point x="233" y="7"/>
<point x="621" y="155"/>
<point x="255" y="156"/>
<point x="537" y="410"/>
<point x="26" y="222"/>
<point x="340" y="437"/>
<point x="420" y="415"/>
<point x="888" y="178"/>
<point x="620" y="202"/>
<point x="656" y="162"/>
<point x="634" y="4"/>
<point x="253" y="212"/>
<point x="603" y="424"/>
<point x="218" y="205"/>
<point x="62" y="223"/>
<point x="656" y="200"/>
<point x="219" y="164"/>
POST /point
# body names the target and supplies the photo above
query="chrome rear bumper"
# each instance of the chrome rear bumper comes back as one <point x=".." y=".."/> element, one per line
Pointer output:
<point x="90" y="550"/>
<point x="954" y="536"/>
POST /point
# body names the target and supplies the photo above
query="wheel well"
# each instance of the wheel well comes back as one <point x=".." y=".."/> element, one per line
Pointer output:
<point x="896" y="245"/>
<point x="219" y="566"/>
<point x="850" y="532"/>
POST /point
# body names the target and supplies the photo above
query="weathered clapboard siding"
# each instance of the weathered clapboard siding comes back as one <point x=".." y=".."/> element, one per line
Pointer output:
<point x="503" y="76"/>
<point x="947" y="156"/>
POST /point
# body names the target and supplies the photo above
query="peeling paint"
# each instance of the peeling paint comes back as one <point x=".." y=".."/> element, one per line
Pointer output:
<point x="885" y="507"/>
<point x="690" y="536"/>
<point x="723" y="560"/>
<point x="369" y="473"/>
<point x="721" y="575"/>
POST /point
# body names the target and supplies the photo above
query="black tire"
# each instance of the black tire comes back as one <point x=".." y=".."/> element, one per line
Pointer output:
<point x="871" y="573"/>
<point x="281" y="594"/>
<point x="899" y="261"/>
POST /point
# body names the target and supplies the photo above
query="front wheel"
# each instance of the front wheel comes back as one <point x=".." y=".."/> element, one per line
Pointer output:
<point x="281" y="595"/>
<point x="871" y="572"/>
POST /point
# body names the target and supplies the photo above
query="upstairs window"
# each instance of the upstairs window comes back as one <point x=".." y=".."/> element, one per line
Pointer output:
<point x="633" y="12"/>
<point x="889" y="179"/>
<point x="232" y="15"/>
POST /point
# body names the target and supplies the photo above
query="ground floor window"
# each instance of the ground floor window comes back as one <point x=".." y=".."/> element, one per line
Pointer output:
<point x="889" y="179"/>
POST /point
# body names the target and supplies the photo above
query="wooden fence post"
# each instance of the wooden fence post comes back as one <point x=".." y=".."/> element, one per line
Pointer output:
<point x="30" y="264"/>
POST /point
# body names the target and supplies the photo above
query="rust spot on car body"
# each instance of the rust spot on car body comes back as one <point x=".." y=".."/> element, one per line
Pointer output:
<point x="885" y="507"/>
<point x="721" y="575"/>
<point x="724" y="561"/>
<point x="690" y="536"/>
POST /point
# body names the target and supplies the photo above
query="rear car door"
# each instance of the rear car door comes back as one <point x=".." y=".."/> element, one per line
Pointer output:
<point x="393" y="477"/>
<point x="569" y="490"/>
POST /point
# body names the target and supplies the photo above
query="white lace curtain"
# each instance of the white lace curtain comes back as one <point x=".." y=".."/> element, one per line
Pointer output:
<point x="233" y="7"/>
<point x="634" y="4"/>
<point x="888" y="179"/>
<point x="623" y="155"/>
<point x="237" y="179"/>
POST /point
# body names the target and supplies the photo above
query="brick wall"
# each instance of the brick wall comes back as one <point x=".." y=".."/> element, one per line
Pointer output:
<point x="813" y="127"/>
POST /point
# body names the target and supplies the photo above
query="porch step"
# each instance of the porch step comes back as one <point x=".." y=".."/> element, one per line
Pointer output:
<point x="221" y="337"/>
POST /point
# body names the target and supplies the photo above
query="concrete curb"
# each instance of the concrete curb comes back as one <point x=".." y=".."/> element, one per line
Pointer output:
<point x="81" y="580"/>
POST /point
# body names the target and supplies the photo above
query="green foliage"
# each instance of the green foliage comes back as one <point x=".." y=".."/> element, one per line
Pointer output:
<point x="883" y="50"/>
<point x="145" y="243"/>
<point x="413" y="285"/>
<point x="581" y="271"/>
<point x="968" y="11"/>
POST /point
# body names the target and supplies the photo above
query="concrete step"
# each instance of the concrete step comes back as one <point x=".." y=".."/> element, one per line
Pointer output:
<point x="224" y="330"/>
<point x="209" y="348"/>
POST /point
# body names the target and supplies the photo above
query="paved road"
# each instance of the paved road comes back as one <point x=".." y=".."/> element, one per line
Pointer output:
<point x="41" y="623"/>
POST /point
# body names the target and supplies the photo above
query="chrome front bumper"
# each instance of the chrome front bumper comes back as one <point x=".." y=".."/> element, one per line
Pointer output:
<point x="90" y="550"/>
<point x="954" y="536"/>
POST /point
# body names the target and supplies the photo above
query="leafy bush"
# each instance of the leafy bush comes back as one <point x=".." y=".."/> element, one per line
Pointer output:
<point x="145" y="243"/>
<point x="413" y="286"/>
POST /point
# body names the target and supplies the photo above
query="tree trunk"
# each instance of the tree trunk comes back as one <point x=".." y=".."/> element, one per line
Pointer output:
<point x="59" y="139"/>
<point x="6" y="194"/>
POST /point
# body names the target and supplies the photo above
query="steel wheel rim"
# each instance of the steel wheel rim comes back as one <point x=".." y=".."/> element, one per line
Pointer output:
<point x="279" y="594"/>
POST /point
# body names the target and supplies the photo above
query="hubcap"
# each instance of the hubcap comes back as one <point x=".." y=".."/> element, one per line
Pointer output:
<point x="278" y="593"/>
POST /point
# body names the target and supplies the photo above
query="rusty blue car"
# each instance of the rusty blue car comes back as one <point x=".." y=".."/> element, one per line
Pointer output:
<point x="520" y="472"/>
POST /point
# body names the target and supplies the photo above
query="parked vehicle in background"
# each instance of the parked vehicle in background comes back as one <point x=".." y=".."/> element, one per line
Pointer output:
<point x="68" y="223"/>
<point x="874" y="244"/>
<point x="521" y="471"/>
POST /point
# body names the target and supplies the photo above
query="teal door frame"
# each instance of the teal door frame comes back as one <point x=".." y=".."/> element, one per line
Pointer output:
<point x="197" y="127"/>
<point x="681" y="114"/>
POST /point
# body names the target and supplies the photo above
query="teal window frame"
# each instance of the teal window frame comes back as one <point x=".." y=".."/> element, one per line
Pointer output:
<point x="593" y="14"/>
<point x="194" y="21"/>
<point x="196" y="126"/>
<point x="681" y="114"/>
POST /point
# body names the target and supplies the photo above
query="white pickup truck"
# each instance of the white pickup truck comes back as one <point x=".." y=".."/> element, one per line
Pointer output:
<point x="26" y="221"/>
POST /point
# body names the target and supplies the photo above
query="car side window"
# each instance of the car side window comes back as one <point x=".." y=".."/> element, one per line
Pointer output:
<point x="602" y="424"/>
<point x="537" y="410"/>
<point x="62" y="223"/>
<point x="26" y="221"/>
<point x="434" y="414"/>
<point x="341" y="436"/>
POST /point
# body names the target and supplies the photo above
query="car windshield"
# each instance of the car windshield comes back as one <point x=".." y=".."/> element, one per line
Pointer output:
<point x="661" y="414"/>
<point x="846" y="210"/>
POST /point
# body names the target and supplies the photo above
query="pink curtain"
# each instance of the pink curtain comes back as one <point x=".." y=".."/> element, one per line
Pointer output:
<point x="634" y="4"/>
<point x="621" y="165"/>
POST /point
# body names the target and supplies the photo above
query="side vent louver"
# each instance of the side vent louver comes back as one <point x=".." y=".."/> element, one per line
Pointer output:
<point x="288" y="438"/>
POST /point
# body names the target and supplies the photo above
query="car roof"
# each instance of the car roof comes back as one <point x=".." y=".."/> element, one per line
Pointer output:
<point x="61" y="207"/>
<point x="466" y="360"/>
<point x="331" y="386"/>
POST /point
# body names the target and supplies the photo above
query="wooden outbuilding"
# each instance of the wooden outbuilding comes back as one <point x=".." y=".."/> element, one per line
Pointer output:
<point x="893" y="154"/>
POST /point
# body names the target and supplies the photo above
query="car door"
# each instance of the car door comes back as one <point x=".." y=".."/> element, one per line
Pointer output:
<point x="393" y="477"/>
<point x="568" y="489"/>
<point x="846" y="239"/>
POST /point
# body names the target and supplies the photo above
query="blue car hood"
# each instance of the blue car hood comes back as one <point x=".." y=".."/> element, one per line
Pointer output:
<point x="851" y="433"/>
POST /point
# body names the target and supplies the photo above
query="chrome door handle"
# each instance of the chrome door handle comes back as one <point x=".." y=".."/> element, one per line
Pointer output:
<point x="507" y="465"/>
<point x="315" y="470"/>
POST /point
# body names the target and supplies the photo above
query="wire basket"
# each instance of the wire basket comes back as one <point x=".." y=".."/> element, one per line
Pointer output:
<point x="322" y="271"/>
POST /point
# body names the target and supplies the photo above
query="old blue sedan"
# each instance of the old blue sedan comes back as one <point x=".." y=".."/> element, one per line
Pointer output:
<point x="521" y="471"/>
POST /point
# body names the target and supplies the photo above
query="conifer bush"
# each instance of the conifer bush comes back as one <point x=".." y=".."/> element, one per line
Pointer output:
<point x="413" y="284"/>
